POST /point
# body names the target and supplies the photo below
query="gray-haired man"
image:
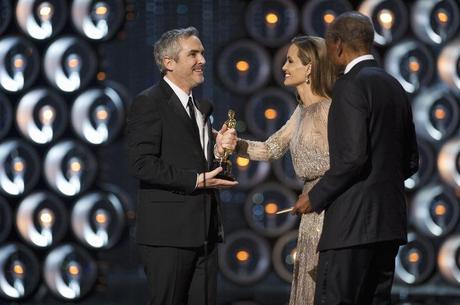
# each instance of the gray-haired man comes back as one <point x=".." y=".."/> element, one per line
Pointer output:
<point x="178" y="215"/>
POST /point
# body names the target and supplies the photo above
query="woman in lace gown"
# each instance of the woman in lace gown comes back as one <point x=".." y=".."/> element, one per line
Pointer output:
<point x="305" y="135"/>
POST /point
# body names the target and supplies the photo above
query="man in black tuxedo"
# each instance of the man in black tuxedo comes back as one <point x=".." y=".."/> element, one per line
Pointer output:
<point x="170" y="152"/>
<point x="373" y="150"/>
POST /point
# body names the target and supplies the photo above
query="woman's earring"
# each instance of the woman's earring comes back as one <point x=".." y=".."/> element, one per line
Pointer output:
<point x="307" y="80"/>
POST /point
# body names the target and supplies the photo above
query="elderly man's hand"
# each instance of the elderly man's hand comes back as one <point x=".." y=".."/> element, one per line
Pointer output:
<point x="302" y="206"/>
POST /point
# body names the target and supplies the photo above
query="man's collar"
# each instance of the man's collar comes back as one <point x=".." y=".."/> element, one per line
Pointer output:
<point x="181" y="94"/>
<point x="357" y="60"/>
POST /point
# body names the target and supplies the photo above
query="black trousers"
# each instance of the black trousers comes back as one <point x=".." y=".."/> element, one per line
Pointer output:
<point x="176" y="276"/>
<point x="361" y="275"/>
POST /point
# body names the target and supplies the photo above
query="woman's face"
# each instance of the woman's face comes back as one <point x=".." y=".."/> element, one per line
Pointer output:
<point x="295" y="73"/>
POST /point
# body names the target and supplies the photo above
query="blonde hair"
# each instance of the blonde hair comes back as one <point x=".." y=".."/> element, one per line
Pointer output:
<point x="313" y="50"/>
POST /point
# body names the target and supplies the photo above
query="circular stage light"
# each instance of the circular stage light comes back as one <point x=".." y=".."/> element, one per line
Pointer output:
<point x="415" y="260"/>
<point x="19" y="63"/>
<point x="98" y="219"/>
<point x="6" y="12"/>
<point x="435" y="21"/>
<point x="318" y="14"/>
<point x="250" y="173"/>
<point x="436" y="113"/>
<point x="97" y="20"/>
<point x="427" y="164"/>
<point x="285" y="254"/>
<point x="19" y="167"/>
<point x="449" y="163"/>
<point x="434" y="211"/>
<point x="448" y="259"/>
<point x="19" y="272"/>
<point x="5" y="219"/>
<point x="261" y="207"/>
<point x="69" y="272"/>
<point x="285" y="173"/>
<point x="42" y="219"/>
<point x="6" y="115"/>
<point x="411" y="63"/>
<point x="244" y="67"/>
<point x="41" y="115"/>
<point x="389" y="17"/>
<point x="99" y="113"/>
<point x="70" y="168"/>
<point x="449" y="64"/>
<point x="272" y="22"/>
<point x="268" y="110"/>
<point x="41" y="19"/>
<point x="69" y="63"/>
<point x="244" y="258"/>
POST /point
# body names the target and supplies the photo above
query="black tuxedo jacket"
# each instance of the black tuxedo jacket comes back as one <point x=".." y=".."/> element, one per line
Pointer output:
<point x="373" y="150"/>
<point x="165" y="154"/>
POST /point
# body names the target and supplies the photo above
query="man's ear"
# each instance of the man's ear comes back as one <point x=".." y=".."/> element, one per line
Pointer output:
<point x="169" y="63"/>
<point x="339" y="48"/>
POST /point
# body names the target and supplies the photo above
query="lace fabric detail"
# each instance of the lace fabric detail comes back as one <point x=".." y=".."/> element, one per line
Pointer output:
<point x="305" y="265"/>
<point x="305" y="135"/>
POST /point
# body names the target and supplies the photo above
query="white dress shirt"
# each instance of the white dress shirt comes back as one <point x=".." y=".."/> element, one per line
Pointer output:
<point x="355" y="61"/>
<point x="183" y="97"/>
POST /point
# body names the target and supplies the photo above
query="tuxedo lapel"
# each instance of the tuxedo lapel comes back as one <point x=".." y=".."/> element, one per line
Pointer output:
<point x="176" y="106"/>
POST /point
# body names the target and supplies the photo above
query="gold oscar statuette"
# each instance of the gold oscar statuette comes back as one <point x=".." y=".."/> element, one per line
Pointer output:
<point x="224" y="161"/>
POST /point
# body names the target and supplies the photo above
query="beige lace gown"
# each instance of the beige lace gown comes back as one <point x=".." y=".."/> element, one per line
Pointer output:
<point x="305" y="135"/>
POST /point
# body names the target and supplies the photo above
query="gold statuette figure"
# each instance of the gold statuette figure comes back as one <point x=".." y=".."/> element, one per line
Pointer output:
<point x="223" y="161"/>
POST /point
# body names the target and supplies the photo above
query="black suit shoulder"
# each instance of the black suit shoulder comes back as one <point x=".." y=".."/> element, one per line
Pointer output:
<point x="149" y="97"/>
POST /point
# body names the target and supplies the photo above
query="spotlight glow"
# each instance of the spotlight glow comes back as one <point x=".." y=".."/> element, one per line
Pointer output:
<point x="18" y="165"/>
<point x="45" y="11"/>
<point x="18" y="268"/>
<point x="73" y="269"/>
<point x="101" y="217"/>
<point x="271" y="18"/>
<point x="440" y="209"/>
<point x="101" y="10"/>
<point x="73" y="62"/>
<point x="101" y="76"/>
<point x="242" y="256"/>
<point x="414" y="65"/>
<point x="328" y="18"/>
<point x="442" y="16"/>
<point x="294" y="254"/>
<point x="414" y="257"/>
<point x="102" y="113"/>
<point x="75" y="166"/>
<point x="271" y="114"/>
<point x="242" y="66"/>
<point x="386" y="18"/>
<point x="19" y="62"/>
<point x="242" y="162"/>
<point x="47" y="115"/>
<point x="439" y="113"/>
<point x="46" y="217"/>
<point x="271" y="208"/>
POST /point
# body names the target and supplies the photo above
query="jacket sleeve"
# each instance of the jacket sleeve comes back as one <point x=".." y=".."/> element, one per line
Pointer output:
<point x="411" y="160"/>
<point x="144" y="134"/>
<point x="348" y="147"/>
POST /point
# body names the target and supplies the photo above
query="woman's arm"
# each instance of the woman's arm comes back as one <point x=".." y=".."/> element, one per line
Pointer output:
<point x="274" y="147"/>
